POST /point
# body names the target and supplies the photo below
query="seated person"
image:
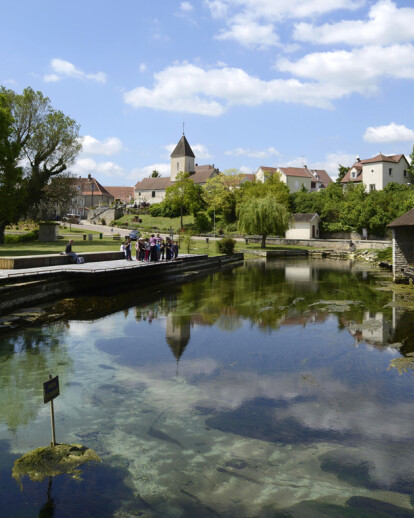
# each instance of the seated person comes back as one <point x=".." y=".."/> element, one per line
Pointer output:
<point x="68" y="251"/>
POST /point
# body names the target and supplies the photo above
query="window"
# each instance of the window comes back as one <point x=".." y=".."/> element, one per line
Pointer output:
<point x="139" y="194"/>
<point x="390" y="171"/>
<point x="353" y="174"/>
<point x="372" y="187"/>
<point x="405" y="172"/>
<point x="178" y="166"/>
<point x="313" y="185"/>
<point x="153" y="194"/>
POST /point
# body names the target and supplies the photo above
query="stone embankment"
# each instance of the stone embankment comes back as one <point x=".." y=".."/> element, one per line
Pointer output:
<point x="28" y="287"/>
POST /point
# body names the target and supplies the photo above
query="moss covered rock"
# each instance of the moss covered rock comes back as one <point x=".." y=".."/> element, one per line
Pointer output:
<point x="52" y="461"/>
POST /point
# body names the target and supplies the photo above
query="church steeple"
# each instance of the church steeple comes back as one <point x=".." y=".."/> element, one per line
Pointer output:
<point x="182" y="158"/>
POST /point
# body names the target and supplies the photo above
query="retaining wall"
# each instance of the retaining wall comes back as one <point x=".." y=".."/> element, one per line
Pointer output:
<point x="403" y="252"/>
<point x="28" y="290"/>
<point x="331" y="244"/>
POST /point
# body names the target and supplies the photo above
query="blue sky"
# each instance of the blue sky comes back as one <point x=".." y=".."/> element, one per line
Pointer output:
<point x="256" y="82"/>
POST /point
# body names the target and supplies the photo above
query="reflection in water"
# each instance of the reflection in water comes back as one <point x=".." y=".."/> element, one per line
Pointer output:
<point x="274" y="412"/>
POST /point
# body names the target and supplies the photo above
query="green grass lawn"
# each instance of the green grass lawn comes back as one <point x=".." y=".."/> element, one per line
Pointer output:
<point x="159" y="224"/>
<point x="55" y="247"/>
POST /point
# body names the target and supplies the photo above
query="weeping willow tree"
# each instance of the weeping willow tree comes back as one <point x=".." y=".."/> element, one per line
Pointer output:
<point x="263" y="216"/>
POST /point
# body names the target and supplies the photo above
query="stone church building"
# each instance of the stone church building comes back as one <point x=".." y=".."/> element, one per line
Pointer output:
<point x="152" y="190"/>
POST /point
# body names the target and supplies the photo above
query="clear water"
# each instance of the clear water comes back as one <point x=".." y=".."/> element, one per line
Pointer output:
<point x="270" y="390"/>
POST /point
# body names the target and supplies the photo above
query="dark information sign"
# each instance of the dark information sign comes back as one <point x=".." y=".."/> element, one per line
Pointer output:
<point x="50" y="389"/>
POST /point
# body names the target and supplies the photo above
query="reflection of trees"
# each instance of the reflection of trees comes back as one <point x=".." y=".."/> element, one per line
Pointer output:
<point x="26" y="360"/>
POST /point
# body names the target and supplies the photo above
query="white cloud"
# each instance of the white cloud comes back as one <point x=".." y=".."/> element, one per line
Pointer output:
<point x="250" y="34"/>
<point x="108" y="146"/>
<point x="386" y="24"/>
<point x="139" y="173"/>
<point x="332" y="162"/>
<point x="200" y="150"/>
<point x="62" y="69"/>
<point x="264" y="153"/>
<point x="85" y="166"/>
<point x="251" y="22"/>
<point x="186" y="6"/>
<point x="246" y="170"/>
<point x="390" y="133"/>
<point x="360" y="70"/>
<point x="280" y="9"/>
<point x="189" y="88"/>
<point x="142" y="67"/>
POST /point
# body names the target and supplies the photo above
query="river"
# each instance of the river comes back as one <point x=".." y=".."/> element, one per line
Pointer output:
<point x="276" y="389"/>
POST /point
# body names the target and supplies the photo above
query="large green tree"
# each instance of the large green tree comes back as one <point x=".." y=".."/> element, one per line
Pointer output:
<point x="11" y="175"/>
<point x="263" y="216"/>
<point x="183" y="194"/>
<point x="273" y="186"/>
<point x="219" y="193"/>
<point x="47" y="142"/>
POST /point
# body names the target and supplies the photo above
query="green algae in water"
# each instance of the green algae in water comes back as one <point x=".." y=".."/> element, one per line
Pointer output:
<point x="52" y="461"/>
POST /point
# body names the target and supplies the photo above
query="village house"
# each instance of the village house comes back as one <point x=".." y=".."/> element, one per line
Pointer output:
<point x="377" y="172"/>
<point x="304" y="226"/>
<point x="297" y="177"/>
<point x="89" y="193"/>
<point x="122" y="195"/>
<point x="152" y="190"/>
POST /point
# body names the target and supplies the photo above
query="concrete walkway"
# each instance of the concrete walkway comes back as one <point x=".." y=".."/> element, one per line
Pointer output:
<point x="101" y="266"/>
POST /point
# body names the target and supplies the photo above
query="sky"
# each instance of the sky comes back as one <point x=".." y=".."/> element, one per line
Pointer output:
<point x="255" y="83"/>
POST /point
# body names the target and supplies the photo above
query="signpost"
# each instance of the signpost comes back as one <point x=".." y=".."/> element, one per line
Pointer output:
<point x="50" y="391"/>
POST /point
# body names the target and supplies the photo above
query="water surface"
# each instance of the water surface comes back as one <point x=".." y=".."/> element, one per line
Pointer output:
<point x="276" y="389"/>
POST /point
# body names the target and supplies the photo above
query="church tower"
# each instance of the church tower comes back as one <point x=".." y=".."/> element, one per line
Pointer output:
<point x="182" y="158"/>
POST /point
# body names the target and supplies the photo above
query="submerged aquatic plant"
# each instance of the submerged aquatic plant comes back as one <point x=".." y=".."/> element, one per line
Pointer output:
<point x="52" y="461"/>
<point x="403" y="364"/>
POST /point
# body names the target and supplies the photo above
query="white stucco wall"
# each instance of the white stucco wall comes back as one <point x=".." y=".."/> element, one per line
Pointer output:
<point x="295" y="182"/>
<point x="260" y="176"/>
<point x="146" y="195"/>
<point x="181" y="164"/>
<point x="303" y="230"/>
<point x="378" y="174"/>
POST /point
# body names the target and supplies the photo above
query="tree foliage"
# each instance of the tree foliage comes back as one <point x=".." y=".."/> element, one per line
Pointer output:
<point x="263" y="216"/>
<point x="46" y="143"/>
<point x="273" y="187"/>
<point x="353" y="209"/>
<point x="219" y="193"/>
<point x="184" y="195"/>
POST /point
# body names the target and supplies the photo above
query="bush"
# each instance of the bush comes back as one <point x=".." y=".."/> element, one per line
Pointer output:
<point x="22" y="238"/>
<point x="163" y="210"/>
<point x="202" y="222"/>
<point x="103" y="221"/>
<point x="226" y="245"/>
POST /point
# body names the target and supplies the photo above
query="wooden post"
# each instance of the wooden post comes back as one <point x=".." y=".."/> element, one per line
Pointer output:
<point x="50" y="391"/>
<point x="52" y="420"/>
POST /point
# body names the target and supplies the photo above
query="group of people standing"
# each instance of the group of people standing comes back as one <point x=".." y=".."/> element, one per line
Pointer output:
<point x="152" y="249"/>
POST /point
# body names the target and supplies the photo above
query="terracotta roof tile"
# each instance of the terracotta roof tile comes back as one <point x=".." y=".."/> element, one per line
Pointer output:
<point x="302" y="172"/>
<point x="324" y="177"/>
<point x="121" y="193"/>
<point x="153" y="184"/>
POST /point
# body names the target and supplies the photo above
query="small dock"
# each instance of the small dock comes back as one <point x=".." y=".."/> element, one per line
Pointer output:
<point x="28" y="286"/>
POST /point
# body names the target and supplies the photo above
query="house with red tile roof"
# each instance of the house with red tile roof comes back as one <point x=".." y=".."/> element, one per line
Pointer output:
<point x="90" y="193"/>
<point x="297" y="177"/>
<point x="152" y="190"/>
<point x="377" y="172"/>
<point x="121" y="194"/>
